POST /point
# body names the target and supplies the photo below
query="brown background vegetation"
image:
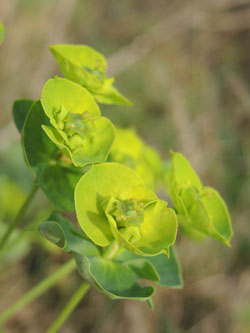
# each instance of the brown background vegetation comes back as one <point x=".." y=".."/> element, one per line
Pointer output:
<point x="186" y="67"/>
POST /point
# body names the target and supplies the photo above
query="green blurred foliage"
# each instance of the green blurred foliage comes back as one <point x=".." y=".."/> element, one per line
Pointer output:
<point x="1" y="32"/>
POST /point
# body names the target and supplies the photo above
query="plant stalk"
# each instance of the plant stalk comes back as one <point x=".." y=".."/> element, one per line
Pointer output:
<point x="69" y="307"/>
<point x="18" y="217"/>
<point x="38" y="290"/>
<point x="111" y="251"/>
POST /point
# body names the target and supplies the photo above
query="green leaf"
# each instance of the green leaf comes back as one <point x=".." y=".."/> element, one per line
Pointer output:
<point x="1" y="32"/>
<point x="38" y="148"/>
<point x="61" y="232"/>
<point x="115" y="280"/>
<point x="166" y="269"/>
<point x="111" y="278"/>
<point x="58" y="183"/>
<point x="152" y="226"/>
<point x="53" y="232"/>
<point x="78" y="129"/>
<point x="55" y="177"/>
<point x="143" y="269"/>
<point x="87" y="67"/>
<point x="20" y="110"/>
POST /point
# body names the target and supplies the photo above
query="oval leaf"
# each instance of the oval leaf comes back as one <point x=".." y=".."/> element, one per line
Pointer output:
<point x="115" y="280"/>
<point x="56" y="178"/>
<point x="61" y="232"/>
<point x="53" y="232"/>
<point x="143" y="269"/>
<point x="20" y="110"/>
<point x="167" y="269"/>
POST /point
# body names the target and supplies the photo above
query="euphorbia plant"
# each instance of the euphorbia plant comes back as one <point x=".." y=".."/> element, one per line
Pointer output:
<point x="107" y="176"/>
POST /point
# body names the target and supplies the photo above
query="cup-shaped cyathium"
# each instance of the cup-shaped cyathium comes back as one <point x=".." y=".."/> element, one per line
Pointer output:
<point x="113" y="203"/>
<point x="200" y="210"/>
<point x="78" y="128"/>
<point x="127" y="215"/>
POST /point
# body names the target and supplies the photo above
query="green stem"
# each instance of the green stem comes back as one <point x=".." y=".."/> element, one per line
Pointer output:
<point x="22" y="233"/>
<point x="18" y="217"/>
<point x="38" y="290"/>
<point x="69" y="307"/>
<point x="111" y="251"/>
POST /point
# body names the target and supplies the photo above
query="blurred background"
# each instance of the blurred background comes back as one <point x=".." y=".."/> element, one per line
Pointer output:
<point x="186" y="67"/>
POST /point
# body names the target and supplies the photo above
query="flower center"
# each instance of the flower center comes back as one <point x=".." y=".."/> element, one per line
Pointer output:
<point x="74" y="125"/>
<point x="128" y="214"/>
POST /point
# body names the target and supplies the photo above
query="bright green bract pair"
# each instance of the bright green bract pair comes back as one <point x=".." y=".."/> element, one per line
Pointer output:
<point x="78" y="128"/>
<point x="87" y="67"/>
<point x="112" y="202"/>
<point x="200" y="210"/>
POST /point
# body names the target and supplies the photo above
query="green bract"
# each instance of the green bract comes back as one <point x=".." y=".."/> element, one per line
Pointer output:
<point x="78" y="128"/>
<point x="200" y="209"/>
<point x="112" y="202"/>
<point x="130" y="150"/>
<point x="87" y="67"/>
